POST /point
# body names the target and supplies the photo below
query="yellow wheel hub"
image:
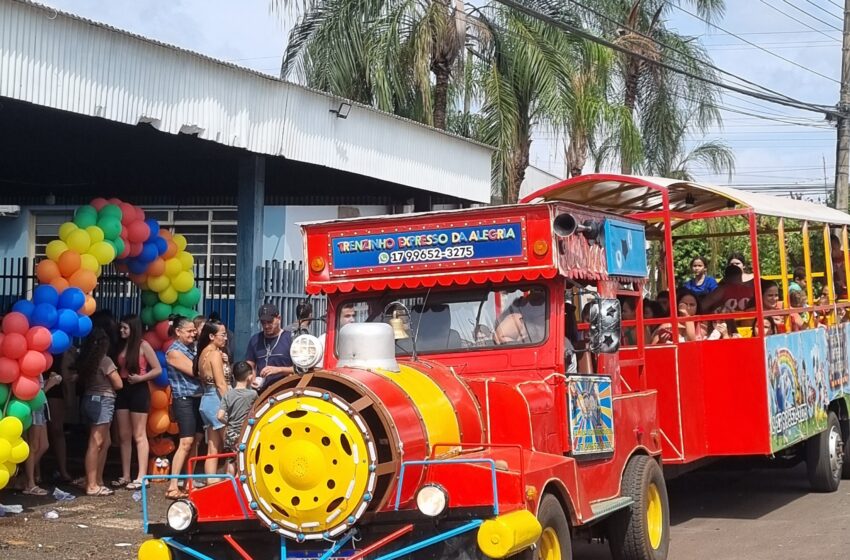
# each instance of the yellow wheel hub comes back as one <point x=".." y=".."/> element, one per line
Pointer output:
<point x="307" y="463"/>
<point x="550" y="545"/>
<point x="654" y="517"/>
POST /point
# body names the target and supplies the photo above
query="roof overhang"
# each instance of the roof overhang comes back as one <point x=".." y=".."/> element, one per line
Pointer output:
<point x="59" y="60"/>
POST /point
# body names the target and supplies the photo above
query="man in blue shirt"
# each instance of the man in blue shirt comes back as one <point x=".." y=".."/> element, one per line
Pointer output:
<point x="268" y="350"/>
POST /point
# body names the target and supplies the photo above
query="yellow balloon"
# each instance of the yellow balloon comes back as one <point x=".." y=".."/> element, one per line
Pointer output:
<point x="79" y="241"/>
<point x="103" y="252"/>
<point x="5" y="475"/>
<point x="183" y="282"/>
<point x="173" y="267"/>
<point x="186" y="259"/>
<point x="181" y="242"/>
<point x="168" y="295"/>
<point x="20" y="451"/>
<point x="66" y="229"/>
<point x="11" y="428"/>
<point x="154" y="550"/>
<point x="5" y="450"/>
<point x="88" y="262"/>
<point x="159" y="283"/>
<point x="95" y="233"/>
<point x="54" y="249"/>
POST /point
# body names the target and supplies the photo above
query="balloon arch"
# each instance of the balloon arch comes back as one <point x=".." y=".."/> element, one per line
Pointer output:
<point x="102" y="232"/>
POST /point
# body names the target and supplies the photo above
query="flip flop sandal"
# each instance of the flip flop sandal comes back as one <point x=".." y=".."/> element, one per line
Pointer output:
<point x="35" y="491"/>
<point x="120" y="483"/>
<point x="80" y="482"/>
<point x="176" y="494"/>
<point x="102" y="491"/>
<point x="136" y="485"/>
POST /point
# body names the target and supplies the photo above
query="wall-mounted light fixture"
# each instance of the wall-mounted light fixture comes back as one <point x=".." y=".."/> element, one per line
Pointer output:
<point x="342" y="111"/>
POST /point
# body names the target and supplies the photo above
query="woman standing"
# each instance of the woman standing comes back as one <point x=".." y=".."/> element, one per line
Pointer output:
<point x="185" y="398"/>
<point x="37" y="440"/>
<point x="57" y="398"/>
<point x="701" y="284"/>
<point x="137" y="364"/>
<point x="212" y="369"/>
<point x="101" y="380"/>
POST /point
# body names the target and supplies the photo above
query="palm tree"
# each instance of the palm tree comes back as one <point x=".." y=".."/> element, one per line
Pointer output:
<point x="380" y="52"/>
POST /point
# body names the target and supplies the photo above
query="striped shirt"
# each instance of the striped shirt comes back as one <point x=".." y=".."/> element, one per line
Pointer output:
<point x="181" y="384"/>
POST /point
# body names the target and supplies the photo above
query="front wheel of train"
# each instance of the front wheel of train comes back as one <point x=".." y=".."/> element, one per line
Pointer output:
<point x="825" y="456"/>
<point x="555" y="542"/>
<point x="642" y="530"/>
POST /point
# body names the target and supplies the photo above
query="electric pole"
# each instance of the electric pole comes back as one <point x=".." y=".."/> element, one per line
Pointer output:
<point x="842" y="154"/>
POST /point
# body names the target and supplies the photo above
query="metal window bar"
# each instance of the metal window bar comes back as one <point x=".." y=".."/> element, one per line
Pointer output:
<point x="283" y="285"/>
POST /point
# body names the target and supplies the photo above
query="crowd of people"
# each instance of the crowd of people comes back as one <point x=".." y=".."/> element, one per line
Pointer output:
<point x="211" y="395"/>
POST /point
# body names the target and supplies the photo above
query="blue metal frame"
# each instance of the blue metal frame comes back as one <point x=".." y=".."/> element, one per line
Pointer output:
<point x="490" y="462"/>
<point x="187" y="549"/>
<point x="148" y="477"/>
<point x="432" y="540"/>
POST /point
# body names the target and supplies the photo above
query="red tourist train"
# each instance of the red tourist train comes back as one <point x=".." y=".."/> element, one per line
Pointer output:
<point x="461" y="407"/>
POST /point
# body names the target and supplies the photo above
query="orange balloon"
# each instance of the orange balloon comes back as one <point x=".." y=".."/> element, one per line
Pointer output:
<point x="172" y="249"/>
<point x="158" y="422"/>
<point x="46" y="271"/>
<point x="157" y="267"/>
<point x="173" y="429"/>
<point x="60" y="284"/>
<point x="162" y="446"/>
<point x="90" y="306"/>
<point x="138" y="279"/>
<point x="69" y="263"/>
<point x="159" y="399"/>
<point x="166" y="234"/>
<point x="84" y="280"/>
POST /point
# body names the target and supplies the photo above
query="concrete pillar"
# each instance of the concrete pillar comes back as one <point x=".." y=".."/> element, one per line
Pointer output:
<point x="250" y="199"/>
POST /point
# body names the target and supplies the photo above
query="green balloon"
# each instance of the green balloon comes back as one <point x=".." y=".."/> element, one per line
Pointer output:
<point x="21" y="411"/>
<point x="85" y="216"/>
<point x="4" y="394"/>
<point x="149" y="298"/>
<point x="189" y="299"/>
<point x="111" y="226"/>
<point x="147" y="316"/>
<point x="184" y="311"/>
<point x="161" y="311"/>
<point x="37" y="401"/>
<point x="111" y="211"/>
<point x="118" y="243"/>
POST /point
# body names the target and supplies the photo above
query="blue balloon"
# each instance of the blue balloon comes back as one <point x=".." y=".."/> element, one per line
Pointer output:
<point x="84" y="326"/>
<point x="60" y="342"/>
<point x="25" y="307"/>
<point x="44" y="315"/>
<point x="154" y="227"/>
<point x="45" y="293"/>
<point x="137" y="267"/>
<point x="67" y="321"/>
<point x="161" y="380"/>
<point x="148" y="254"/>
<point x="161" y="245"/>
<point x="71" y="298"/>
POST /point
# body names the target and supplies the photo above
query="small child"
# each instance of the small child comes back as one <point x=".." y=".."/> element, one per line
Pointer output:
<point x="235" y="405"/>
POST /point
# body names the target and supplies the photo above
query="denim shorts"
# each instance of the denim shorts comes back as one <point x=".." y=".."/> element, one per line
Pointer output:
<point x="184" y="411"/>
<point x="39" y="418"/>
<point x="98" y="409"/>
<point x="210" y="404"/>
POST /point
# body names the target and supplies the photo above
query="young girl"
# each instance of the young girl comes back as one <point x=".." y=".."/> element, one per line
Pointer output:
<point x="101" y="380"/>
<point x="214" y="373"/>
<point x="688" y="306"/>
<point x="137" y="364"/>
<point x="37" y="440"/>
<point x="701" y="284"/>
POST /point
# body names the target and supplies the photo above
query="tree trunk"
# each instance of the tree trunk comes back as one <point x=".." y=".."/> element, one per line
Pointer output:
<point x="516" y="174"/>
<point x="630" y="101"/>
<point x="441" y="95"/>
<point x="576" y="155"/>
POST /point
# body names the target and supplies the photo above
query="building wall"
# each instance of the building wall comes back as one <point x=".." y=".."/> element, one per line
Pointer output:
<point x="15" y="235"/>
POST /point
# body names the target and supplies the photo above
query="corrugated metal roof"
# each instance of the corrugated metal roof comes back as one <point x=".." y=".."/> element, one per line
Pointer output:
<point x="62" y="61"/>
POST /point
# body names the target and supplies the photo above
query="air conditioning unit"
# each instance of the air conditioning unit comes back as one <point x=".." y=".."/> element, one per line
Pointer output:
<point x="9" y="211"/>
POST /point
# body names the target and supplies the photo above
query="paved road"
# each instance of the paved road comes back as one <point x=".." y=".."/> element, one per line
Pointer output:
<point x="760" y="514"/>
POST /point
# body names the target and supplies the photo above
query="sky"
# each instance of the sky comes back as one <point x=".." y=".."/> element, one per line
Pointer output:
<point x="790" y="46"/>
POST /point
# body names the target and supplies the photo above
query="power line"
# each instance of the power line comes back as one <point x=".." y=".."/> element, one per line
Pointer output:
<point x="789" y="16"/>
<point x="824" y="10"/>
<point x="771" y="53"/>
<point x="810" y="15"/>
<point x="836" y="4"/>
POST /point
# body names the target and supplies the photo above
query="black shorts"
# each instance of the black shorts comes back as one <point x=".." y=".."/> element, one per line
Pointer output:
<point x="134" y="397"/>
<point x="55" y="393"/>
<point x="186" y="411"/>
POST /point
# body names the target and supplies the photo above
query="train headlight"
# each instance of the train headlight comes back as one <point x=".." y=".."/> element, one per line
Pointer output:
<point x="306" y="351"/>
<point x="180" y="515"/>
<point x="432" y="500"/>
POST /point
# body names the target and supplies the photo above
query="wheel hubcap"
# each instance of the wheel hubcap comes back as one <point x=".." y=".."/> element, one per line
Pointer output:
<point x="550" y="545"/>
<point x="654" y="517"/>
<point x="836" y="452"/>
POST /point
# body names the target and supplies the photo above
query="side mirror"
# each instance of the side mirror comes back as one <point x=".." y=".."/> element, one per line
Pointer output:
<point x="605" y="326"/>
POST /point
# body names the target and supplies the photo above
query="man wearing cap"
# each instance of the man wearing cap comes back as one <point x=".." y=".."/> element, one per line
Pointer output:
<point x="268" y="350"/>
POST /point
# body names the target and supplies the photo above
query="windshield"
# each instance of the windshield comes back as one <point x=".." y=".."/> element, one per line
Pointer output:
<point x="449" y="321"/>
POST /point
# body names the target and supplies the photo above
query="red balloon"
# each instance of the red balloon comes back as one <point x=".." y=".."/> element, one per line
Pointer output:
<point x="48" y="359"/>
<point x="138" y="232"/>
<point x="33" y="363"/>
<point x="1" y="339"/>
<point x="135" y="249"/>
<point x="115" y="201"/>
<point x="128" y="213"/>
<point x="38" y="339"/>
<point x="26" y="388"/>
<point x="140" y="214"/>
<point x="9" y="370"/>
<point x="161" y="330"/>
<point x="153" y="339"/>
<point x="125" y="253"/>
<point x="167" y="344"/>
<point x="99" y="203"/>
<point x="14" y="346"/>
<point x="15" y="322"/>
<point x="124" y="234"/>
